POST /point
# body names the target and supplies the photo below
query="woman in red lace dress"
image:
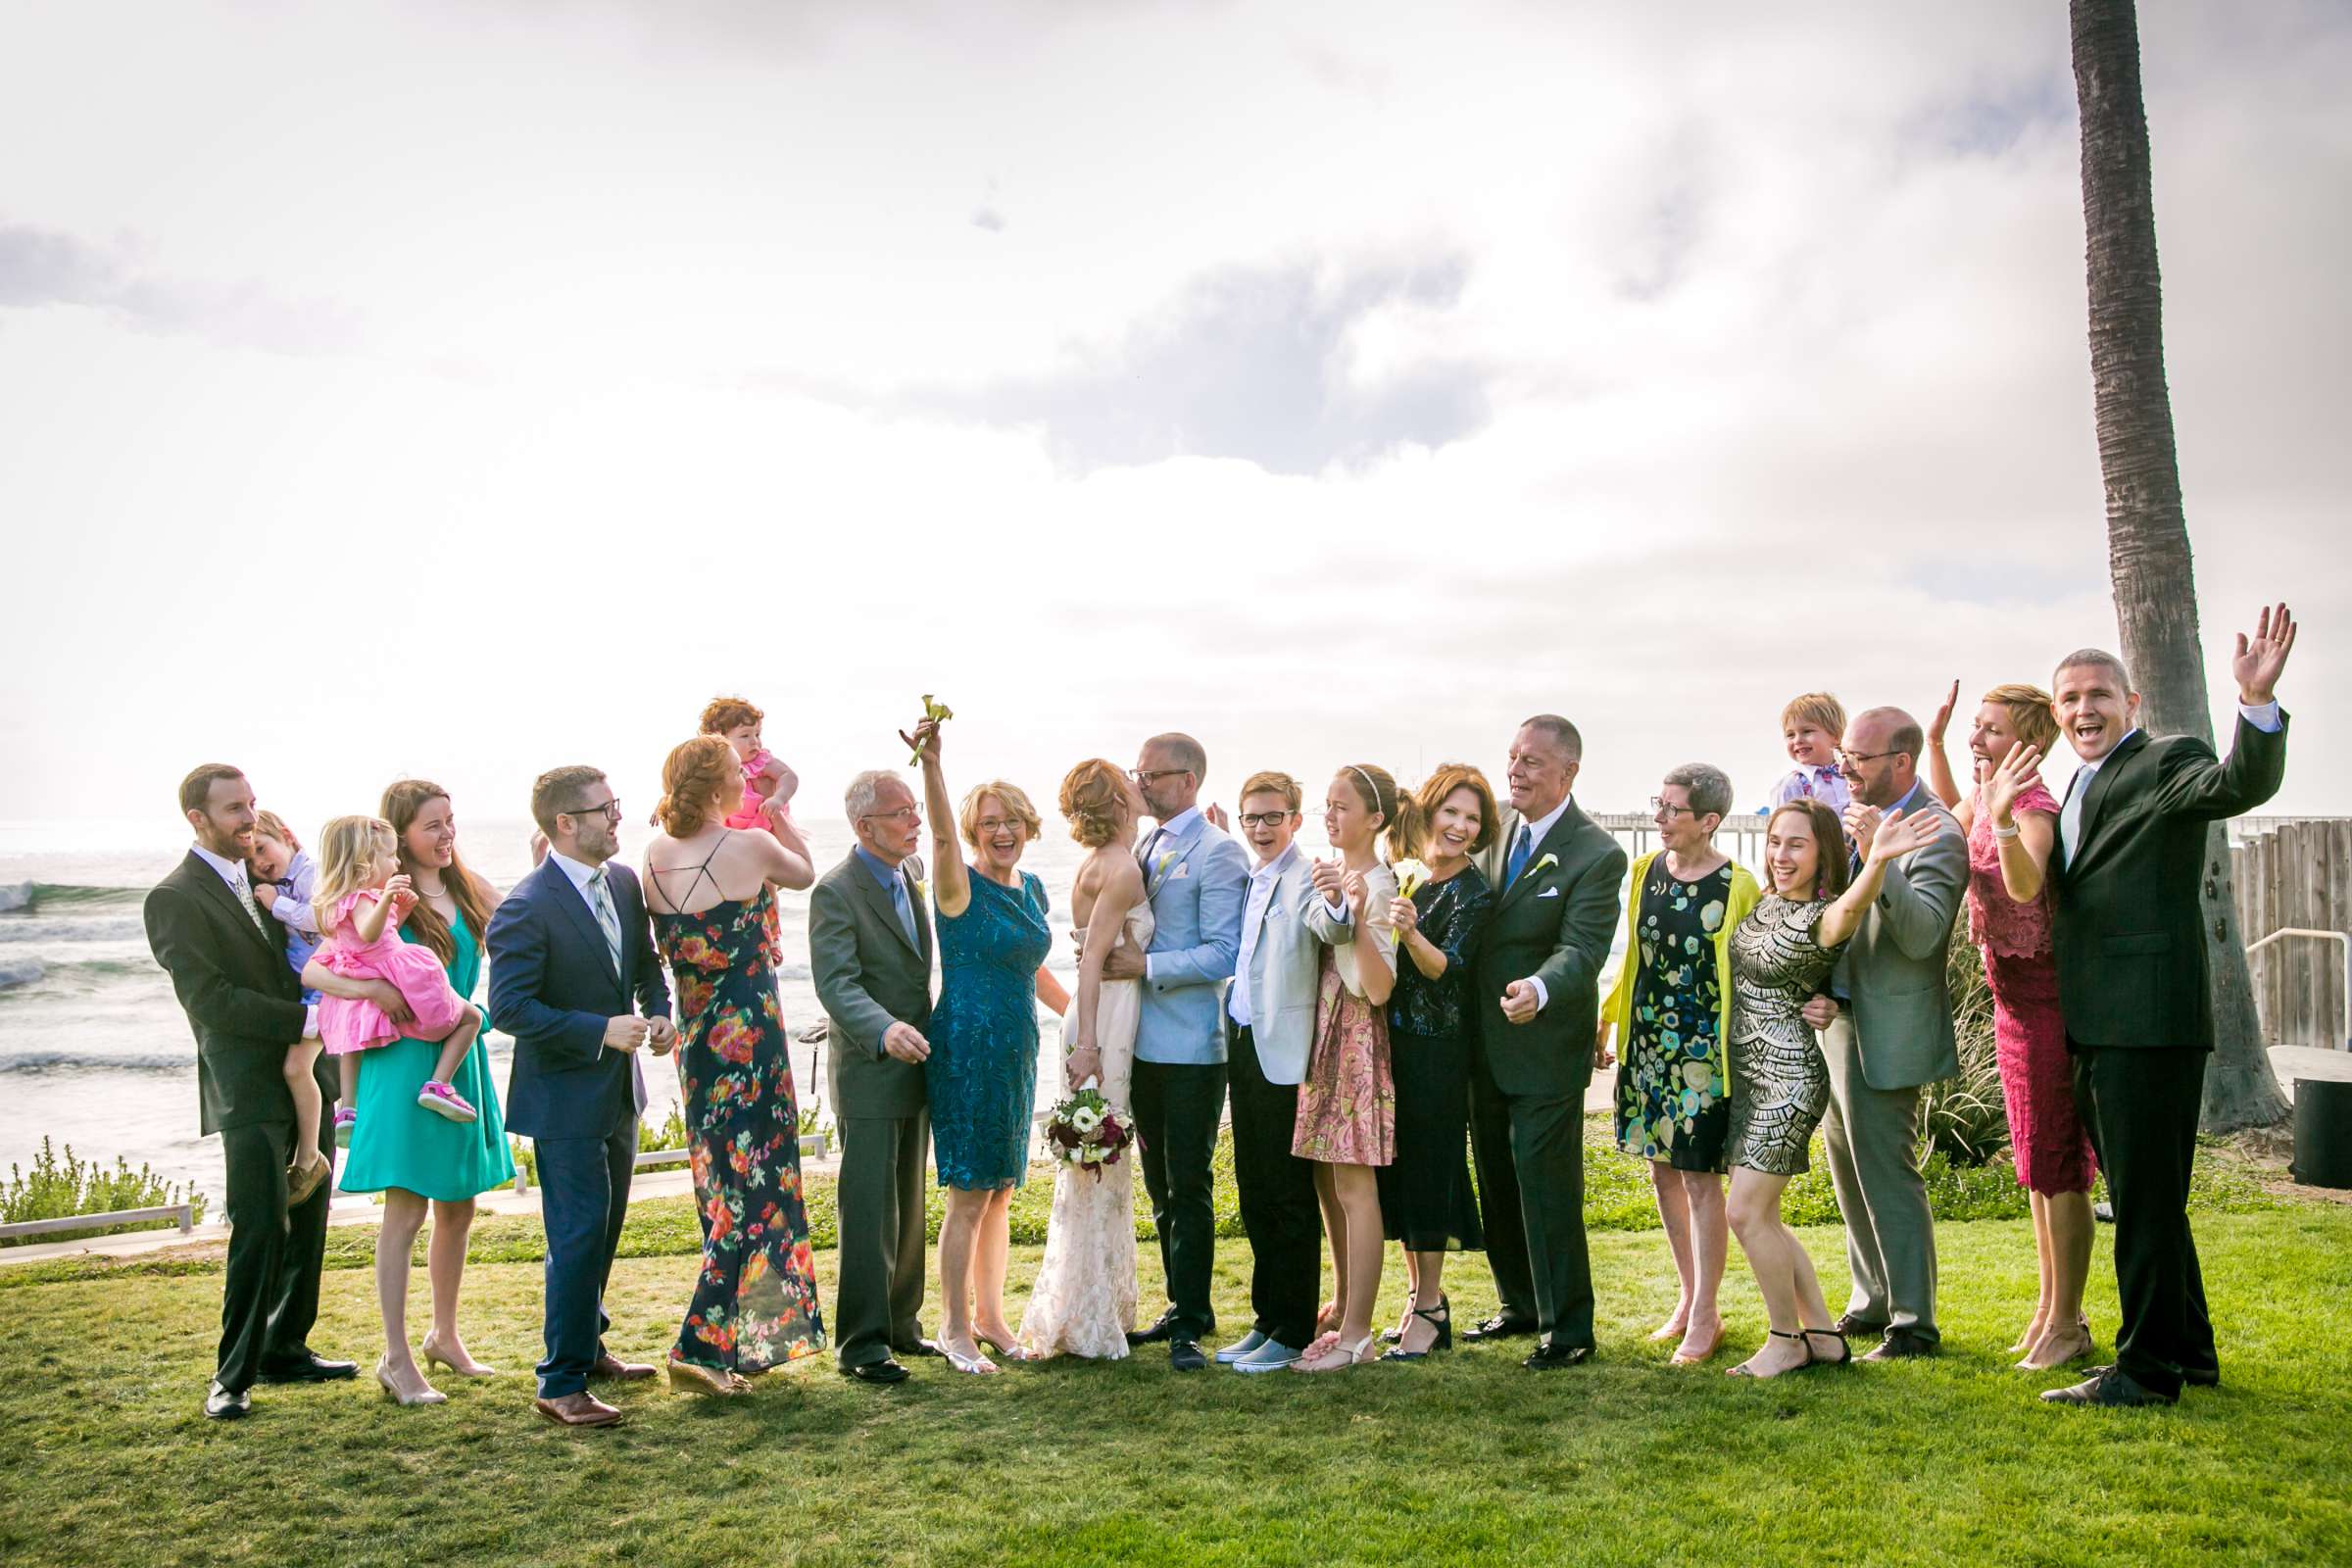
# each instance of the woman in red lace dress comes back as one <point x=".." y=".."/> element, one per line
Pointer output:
<point x="2012" y="825"/>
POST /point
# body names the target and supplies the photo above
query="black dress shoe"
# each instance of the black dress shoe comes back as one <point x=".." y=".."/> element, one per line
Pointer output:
<point x="1550" y="1356"/>
<point x="1497" y="1327"/>
<point x="2196" y="1377"/>
<point x="919" y="1347"/>
<point x="2113" y="1388"/>
<point x="884" y="1371"/>
<point x="221" y="1405"/>
<point x="1901" y="1344"/>
<point x="312" y="1367"/>
<point x="1159" y="1333"/>
<point x="1858" y="1328"/>
<point x="1185" y="1356"/>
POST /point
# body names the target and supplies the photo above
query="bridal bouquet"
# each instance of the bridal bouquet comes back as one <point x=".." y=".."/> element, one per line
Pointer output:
<point x="1085" y="1133"/>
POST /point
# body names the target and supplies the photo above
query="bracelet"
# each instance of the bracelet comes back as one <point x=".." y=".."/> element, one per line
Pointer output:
<point x="2000" y="832"/>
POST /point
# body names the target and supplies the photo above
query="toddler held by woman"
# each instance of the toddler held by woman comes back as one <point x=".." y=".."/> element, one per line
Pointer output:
<point x="364" y="897"/>
<point x="768" y="784"/>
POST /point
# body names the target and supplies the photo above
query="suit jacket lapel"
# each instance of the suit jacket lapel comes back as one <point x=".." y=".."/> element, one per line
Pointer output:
<point x="1172" y="849"/>
<point x="211" y="886"/>
<point x="2101" y="783"/>
<point x="877" y="897"/>
<point x="575" y="904"/>
<point x="1551" y="844"/>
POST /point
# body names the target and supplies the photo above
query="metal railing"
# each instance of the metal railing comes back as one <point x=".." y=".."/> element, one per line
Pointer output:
<point x="656" y="1158"/>
<point x="181" y="1214"/>
<point x="2344" y="1031"/>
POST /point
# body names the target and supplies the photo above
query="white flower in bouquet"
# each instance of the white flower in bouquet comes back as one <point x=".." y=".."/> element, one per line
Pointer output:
<point x="1410" y="874"/>
<point x="1085" y="1118"/>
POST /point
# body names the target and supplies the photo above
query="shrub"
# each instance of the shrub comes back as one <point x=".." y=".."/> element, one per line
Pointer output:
<point x="58" y="1188"/>
<point x="1964" y="1117"/>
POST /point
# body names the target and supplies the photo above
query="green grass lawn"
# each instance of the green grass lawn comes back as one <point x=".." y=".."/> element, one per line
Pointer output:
<point x="1466" y="1458"/>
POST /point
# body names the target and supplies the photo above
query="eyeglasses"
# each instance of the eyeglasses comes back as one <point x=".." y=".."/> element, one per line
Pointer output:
<point x="610" y="811"/>
<point x="1264" y="819"/>
<point x="1145" y="780"/>
<point x="1659" y="805"/>
<point x="1846" y="758"/>
<point x="904" y="813"/>
<point x="988" y="827"/>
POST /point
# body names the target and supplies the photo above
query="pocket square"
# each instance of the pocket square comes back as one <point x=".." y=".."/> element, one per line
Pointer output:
<point x="1181" y="872"/>
<point x="1549" y="893"/>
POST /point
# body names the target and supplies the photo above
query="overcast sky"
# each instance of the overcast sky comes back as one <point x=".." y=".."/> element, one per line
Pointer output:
<point x="465" y="389"/>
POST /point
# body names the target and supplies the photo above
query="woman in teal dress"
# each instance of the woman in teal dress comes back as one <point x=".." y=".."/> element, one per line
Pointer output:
<point x="418" y="1160"/>
<point x="981" y="1075"/>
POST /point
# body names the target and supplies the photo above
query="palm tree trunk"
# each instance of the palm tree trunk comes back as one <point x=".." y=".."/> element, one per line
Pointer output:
<point x="2147" y="532"/>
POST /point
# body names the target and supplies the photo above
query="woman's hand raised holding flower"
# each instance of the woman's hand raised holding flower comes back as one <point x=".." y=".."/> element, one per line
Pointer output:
<point x="1405" y="916"/>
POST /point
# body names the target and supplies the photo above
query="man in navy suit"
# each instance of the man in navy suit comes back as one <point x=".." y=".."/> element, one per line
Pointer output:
<point x="574" y="978"/>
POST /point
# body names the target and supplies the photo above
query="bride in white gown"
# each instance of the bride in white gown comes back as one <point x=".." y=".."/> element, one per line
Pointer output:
<point x="1083" y="1302"/>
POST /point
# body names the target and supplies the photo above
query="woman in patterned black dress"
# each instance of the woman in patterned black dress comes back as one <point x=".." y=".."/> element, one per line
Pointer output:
<point x="711" y="890"/>
<point x="981" y="1075"/>
<point x="1671" y="1007"/>
<point x="1780" y="953"/>
<point x="1426" y="1200"/>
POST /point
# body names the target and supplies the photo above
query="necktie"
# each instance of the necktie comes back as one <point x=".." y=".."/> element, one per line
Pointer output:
<point x="1144" y="856"/>
<point x="906" y="908"/>
<point x="1523" y="846"/>
<point x="601" y="901"/>
<point x="2070" y="815"/>
<point x="244" y="892"/>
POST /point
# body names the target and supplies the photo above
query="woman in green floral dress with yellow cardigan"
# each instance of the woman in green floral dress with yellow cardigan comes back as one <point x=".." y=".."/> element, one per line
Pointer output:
<point x="1671" y="1007"/>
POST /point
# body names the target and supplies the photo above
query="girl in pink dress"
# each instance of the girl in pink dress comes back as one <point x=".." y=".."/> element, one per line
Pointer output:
<point x="1348" y="1102"/>
<point x="364" y="897"/>
<point x="2012" y="823"/>
<point x="768" y="784"/>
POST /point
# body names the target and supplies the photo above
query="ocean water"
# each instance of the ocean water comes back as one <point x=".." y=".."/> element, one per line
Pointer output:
<point x="96" y="1053"/>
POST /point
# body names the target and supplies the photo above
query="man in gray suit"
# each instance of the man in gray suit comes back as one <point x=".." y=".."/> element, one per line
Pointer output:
<point x="1886" y="1030"/>
<point x="870" y="949"/>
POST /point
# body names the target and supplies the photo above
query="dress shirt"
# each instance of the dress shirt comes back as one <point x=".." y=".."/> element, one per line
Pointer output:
<point x="240" y="888"/>
<point x="1254" y="914"/>
<point x="1824" y="784"/>
<point x="1535" y="839"/>
<point x="1173" y="827"/>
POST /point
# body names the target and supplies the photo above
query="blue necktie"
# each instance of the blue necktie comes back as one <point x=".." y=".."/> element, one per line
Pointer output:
<point x="1521" y="847"/>
<point x="906" y="908"/>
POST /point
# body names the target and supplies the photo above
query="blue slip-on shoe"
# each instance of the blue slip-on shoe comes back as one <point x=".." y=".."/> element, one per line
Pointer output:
<point x="1239" y="1347"/>
<point x="1271" y="1357"/>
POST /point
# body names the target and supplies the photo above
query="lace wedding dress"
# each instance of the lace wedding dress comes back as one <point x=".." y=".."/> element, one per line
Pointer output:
<point x="1083" y="1302"/>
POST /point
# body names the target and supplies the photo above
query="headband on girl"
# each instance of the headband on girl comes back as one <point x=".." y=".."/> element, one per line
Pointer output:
<point x="1368" y="784"/>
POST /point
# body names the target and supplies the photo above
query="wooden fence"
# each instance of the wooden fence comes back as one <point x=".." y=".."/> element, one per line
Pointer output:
<point x="2294" y="875"/>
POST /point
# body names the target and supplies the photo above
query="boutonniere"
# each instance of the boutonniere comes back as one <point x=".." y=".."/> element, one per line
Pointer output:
<point x="1410" y="874"/>
<point x="1537" y="869"/>
<point x="922" y="890"/>
<point x="1159" y="867"/>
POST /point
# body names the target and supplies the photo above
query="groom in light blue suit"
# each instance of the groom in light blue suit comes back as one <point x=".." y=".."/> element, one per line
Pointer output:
<point x="1198" y="879"/>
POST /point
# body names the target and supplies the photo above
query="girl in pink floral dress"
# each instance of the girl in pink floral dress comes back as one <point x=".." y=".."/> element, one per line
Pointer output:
<point x="364" y="897"/>
<point x="1348" y="1103"/>
<point x="2012" y="824"/>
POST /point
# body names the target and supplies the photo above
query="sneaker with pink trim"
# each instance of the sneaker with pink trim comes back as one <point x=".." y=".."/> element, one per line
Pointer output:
<point x="442" y="1101"/>
<point x="347" y="1120"/>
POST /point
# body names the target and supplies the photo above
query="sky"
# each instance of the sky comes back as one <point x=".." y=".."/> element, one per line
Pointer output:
<point x="465" y="389"/>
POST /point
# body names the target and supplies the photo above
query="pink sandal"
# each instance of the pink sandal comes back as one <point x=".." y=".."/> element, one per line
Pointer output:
<point x="346" y="1121"/>
<point x="442" y="1101"/>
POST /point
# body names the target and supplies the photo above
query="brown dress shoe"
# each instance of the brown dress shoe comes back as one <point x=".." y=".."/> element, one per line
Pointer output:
<point x="613" y="1369"/>
<point x="304" y="1180"/>
<point x="582" y="1410"/>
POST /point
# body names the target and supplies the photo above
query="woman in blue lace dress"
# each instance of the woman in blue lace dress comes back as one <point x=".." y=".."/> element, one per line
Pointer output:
<point x="981" y="1076"/>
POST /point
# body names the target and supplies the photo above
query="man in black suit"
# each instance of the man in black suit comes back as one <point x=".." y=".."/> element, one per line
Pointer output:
<point x="575" y="979"/>
<point x="227" y="962"/>
<point x="2133" y="983"/>
<point x="1558" y="880"/>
